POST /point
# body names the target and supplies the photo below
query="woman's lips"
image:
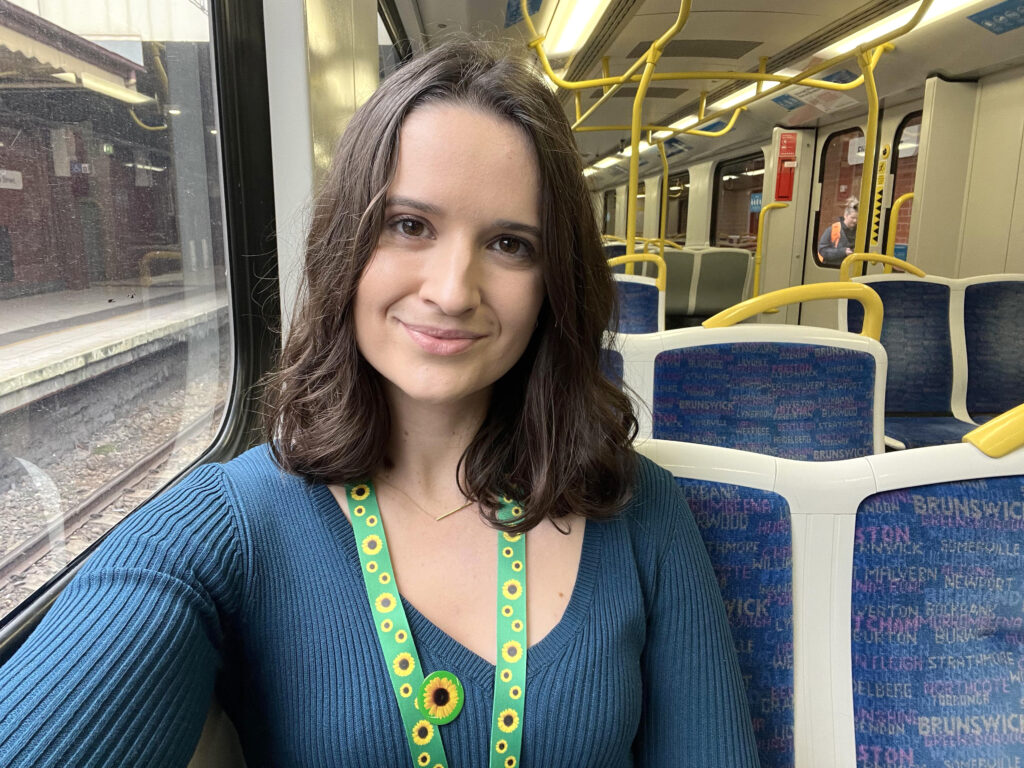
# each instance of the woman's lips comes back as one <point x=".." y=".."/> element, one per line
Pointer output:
<point x="441" y="341"/>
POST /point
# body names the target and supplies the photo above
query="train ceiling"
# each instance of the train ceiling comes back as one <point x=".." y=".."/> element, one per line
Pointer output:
<point x="730" y="35"/>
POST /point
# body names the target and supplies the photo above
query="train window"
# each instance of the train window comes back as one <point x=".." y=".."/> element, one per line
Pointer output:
<point x="388" y="57"/>
<point x="737" y="202"/>
<point x="609" y="212"/>
<point x="908" y="138"/>
<point x="115" y="343"/>
<point x="841" y="165"/>
<point x="678" y="207"/>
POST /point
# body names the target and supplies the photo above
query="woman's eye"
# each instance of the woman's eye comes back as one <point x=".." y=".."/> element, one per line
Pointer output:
<point x="512" y="246"/>
<point x="411" y="227"/>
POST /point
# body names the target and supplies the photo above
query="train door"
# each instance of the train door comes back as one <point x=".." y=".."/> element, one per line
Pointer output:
<point x="837" y="209"/>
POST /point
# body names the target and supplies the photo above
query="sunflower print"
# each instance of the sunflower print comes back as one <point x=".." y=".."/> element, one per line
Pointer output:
<point x="371" y="521"/>
<point x="508" y="720"/>
<point x="517" y="626"/>
<point x="372" y="566"/>
<point x="506" y="611"/>
<point x="403" y="664"/>
<point x="441" y="698"/>
<point x="517" y="511"/>
<point x="405" y="690"/>
<point x="512" y="589"/>
<point x="359" y="511"/>
<point x="515" y="691"/>
<point x="401" y="636"/>
<point x="387" y="625"/>
<point x="360" y="492"/>
<point x="384" y="578"/>
<point x="385" y="602"/>
<point x="512" y="536"/>
<point x="372" y="544"/>
<point x="512" y="651"/>
<point x="424" y="758"/>
<point x="506" y="675"/>
<point x="517" y="565"/>
<point x="510" y="762"/>
<point x="507" y="552"/>
<point x="423" y="732"/>
<point x="501" y="746"/>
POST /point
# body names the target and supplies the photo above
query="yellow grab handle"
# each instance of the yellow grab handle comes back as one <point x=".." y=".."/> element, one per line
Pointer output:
<point x="876" y="258"/>
<point x="870" y="300"/>
<point x="1005" y="433"/>
<point x="661" y="280"/>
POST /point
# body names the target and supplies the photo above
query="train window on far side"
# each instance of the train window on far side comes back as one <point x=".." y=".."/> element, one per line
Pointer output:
<point x="115" y="339"/>
<point x="842" y="164"/>
<point x="609" y="212"/>
<point x="678" y="207"/>
<point x="908" y="139"/>
<point x="738" y="185"/>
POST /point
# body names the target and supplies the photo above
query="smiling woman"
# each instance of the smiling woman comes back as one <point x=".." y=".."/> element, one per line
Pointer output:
<point x="333" y="585"/>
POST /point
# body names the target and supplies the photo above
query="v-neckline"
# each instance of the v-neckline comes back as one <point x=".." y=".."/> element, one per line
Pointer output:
<point x="428" y="635"/>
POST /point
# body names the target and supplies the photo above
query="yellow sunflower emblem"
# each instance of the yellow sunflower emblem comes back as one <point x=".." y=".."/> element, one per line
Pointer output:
<point x="510" y="762"/>
<point x="385" y="602"/>
<point x="501" y="746"/>
<point x="440" y="697"/>
<point x="424" y="758"/>
<point x="512" y="651"/>
<point x="360" y="492"/>
<point x="508" y="720"/>
<point x="405" y="690"/>
<point x="506" y="611"/>
<point x="512" y="589"/>
<point x="517" y="626"/>
<point x="515" y="691"/>
<point x="372" y="544"/>
<point x="506" y="675"/>
<point x="359" y="511"/>
<point x="422" y="732"/>
<point x="512" y="536"/>
<point x="403" y="664"/>
<point x="371" y="521"/>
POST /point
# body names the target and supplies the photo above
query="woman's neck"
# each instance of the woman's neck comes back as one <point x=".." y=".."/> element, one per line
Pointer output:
<point x="427" y="441"/>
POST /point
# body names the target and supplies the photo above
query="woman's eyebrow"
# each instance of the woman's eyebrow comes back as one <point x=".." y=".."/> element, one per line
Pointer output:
<point x="516" y="226"/>
<point x="408" y="202"/>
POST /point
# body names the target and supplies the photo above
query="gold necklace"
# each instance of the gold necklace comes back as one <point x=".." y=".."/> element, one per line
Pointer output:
<point x="437" y="518"/>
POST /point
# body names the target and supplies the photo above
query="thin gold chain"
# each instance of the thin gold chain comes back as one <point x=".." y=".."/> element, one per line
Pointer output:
<point x="419" y="507"/>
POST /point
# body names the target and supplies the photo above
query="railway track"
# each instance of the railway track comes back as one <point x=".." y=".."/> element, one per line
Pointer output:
<point x="141" y="479"/>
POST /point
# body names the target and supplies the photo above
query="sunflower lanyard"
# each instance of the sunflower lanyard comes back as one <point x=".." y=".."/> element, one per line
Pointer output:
<point x="426" y="703"/>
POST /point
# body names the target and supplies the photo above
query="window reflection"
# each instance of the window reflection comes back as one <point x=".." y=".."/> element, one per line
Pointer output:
<point x="738" y="185"/>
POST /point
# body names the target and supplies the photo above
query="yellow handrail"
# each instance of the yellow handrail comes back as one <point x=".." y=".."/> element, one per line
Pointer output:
<point x="894" y="220"/>
<point x="1001" y="435"/>
<point x="664" y="199"/>
<point x="876" y="258"/>
<point x="870" y="300"/>
<point x="757" y="250"/>
<point x="145" y="274"/>
<point x="635" y="258"/>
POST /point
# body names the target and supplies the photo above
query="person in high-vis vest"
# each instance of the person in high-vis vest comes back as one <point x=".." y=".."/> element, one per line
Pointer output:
<point x="837" y="242"/>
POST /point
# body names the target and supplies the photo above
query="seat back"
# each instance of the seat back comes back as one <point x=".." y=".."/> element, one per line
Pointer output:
<point x="782" y="390"/>
<point x="906" y="581"/>
<point x="680" y="282"/>
<point x="993" y="318"/>
<point x="916" y="337"/>
<point x="641" y="304"/>
<point x="723" y="278"/>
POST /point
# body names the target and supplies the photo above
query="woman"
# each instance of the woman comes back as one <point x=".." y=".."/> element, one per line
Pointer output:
<point x="357" y="593"/>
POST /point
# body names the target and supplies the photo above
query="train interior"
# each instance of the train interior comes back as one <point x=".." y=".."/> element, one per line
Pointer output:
<point x="812" y="210"/>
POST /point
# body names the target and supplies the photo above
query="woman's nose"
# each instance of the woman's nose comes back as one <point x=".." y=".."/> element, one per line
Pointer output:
<point x="451" y="279"/>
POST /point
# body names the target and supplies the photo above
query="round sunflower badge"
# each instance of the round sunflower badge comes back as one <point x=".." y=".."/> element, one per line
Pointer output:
<point x="441" y="697"/>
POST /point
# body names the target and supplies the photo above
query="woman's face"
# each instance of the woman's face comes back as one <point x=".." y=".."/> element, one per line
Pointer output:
<point x="449" y="299"/>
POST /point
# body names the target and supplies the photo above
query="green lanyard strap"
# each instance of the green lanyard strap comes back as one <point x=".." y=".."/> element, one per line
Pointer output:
<point x="428" y="702"/>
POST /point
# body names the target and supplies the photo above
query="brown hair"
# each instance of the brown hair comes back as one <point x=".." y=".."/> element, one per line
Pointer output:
<point x="557" y="434"/>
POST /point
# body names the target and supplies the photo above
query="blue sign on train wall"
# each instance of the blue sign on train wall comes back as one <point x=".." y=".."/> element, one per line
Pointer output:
<point x="788" y="102"/>
<point x="674" y="146"/>
<point x="1000" y="18"/>
<point x="514" y="11"/>
<point x="900" y="251"/>
<point x="755" y="202"/>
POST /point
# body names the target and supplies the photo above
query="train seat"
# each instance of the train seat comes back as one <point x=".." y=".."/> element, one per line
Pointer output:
<point x="994" y="340"/>
<point x="641" y="304"/>
<point x="783" y="390"/>
<point x="939" y="379"/>
<point x="723" y="277"/>
<point x="679" y="283"/>
<point x="906" y="584"/>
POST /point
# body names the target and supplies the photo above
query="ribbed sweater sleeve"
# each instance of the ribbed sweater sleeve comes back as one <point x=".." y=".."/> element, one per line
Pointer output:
<point x="121" y="670"/>
<point x="693" y="696"/>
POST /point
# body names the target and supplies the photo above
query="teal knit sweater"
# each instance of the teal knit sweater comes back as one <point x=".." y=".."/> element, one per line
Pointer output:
<point x="246" y="580"/>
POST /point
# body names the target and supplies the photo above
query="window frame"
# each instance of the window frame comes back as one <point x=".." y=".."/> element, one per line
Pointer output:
<point x="716" y="181"/>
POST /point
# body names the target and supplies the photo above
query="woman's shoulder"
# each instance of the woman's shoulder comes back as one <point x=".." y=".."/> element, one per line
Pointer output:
<point x="656" y="515"/>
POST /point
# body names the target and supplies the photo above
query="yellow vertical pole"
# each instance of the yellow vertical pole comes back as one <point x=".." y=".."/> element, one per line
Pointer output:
<point x="756" y="291"/>
<point x="662" y="234"/>
<point x="894" y="219"/>
<point x="867" y="175"/>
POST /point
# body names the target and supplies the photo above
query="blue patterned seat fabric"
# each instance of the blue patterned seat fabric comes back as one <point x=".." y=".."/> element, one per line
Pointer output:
<point x="747" y="535"/>
<point x="796" y="401"/>
<point x="994" y="331"/>
<point x="638" y="307"/>
<point x="915" y="334"/>
<point x="611" y="366"/>
<point x="937" y="626"/>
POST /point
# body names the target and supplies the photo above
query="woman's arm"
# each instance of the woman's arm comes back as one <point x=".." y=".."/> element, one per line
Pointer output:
<point x="121" y="670"/>
<point x="695" y="707"/>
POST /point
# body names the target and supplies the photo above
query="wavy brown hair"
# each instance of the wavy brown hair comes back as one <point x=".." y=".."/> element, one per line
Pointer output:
<point x="557" y="434"/>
